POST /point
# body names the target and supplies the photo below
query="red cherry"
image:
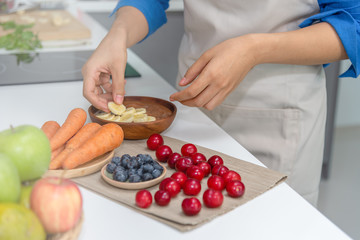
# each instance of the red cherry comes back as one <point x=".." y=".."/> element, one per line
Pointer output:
<point x="162" y="197"/>
<point x="231" y="176"/>
<point x="164" y="182"/>
<point x="198" y="157"/>
<point x="215" y="160"/>
<point x="216" y="182"/>
<point x="180" y="177"/>
<point x="195" y="172"/>
<point x="183" y="163"/>
<point x="173" y="187"/>
<point x="172" y="159"/>
<point x="205" y="166"/>
<point x="213" y="198"/>
<point x="188" y="149"/>
<point x="163" y="152"/>
<point x="235" y="188"/>
<point x="154" y="141"/>
<point x="143" y="198"/>
<point x="219" y="170"/>
<point x="191" y="206"/>
<point x="192" y="187"/>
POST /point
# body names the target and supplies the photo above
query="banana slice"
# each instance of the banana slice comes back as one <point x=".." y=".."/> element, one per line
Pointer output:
<point x="116" y="108"/>
<point x="127" y="118"/>
<point x="150" y="119"/>
<point x="140" y="117"/>
<point x="140" y="110"/>
<point x="103" y="115"/>
<point x="117" y="118"/>
<point x="111" y="117"/>
<point x="129" y="111"/>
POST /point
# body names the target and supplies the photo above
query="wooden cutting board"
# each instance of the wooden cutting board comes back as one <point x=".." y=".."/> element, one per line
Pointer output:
<point x="50" y="25"/>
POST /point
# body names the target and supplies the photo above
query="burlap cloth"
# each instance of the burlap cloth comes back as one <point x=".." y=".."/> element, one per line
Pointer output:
<point x="257" y="180"/>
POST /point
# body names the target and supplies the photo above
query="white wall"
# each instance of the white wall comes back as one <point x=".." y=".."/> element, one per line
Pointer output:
<point x="348" y="100"/>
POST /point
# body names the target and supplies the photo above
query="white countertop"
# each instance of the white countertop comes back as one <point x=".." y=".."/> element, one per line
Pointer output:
<point x="279" y="213"/>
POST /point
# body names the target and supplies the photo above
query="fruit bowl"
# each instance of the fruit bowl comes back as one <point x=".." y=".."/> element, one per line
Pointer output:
<point x="132" y="186"/>
<point x="164" y="112"/>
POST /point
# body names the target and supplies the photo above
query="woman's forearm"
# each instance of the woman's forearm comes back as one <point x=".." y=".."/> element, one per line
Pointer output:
<point x="130" y="24"/>
<point x="316" y="44"/>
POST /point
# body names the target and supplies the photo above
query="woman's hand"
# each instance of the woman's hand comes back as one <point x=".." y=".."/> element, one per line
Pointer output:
<point x="217" y="73"/>
<point x="109" y="59"/>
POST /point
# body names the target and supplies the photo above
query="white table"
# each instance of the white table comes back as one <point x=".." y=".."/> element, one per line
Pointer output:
<point x="279" y="213"/>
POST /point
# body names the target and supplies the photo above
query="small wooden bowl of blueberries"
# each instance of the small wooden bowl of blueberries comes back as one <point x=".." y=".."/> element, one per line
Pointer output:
<point x="133" y="172"/>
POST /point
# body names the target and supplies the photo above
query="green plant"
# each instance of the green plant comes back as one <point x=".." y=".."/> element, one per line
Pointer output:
<point x="21" y="38"/>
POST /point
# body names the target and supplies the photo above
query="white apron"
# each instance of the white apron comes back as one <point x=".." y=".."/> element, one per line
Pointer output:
<point x="278" y="112"/>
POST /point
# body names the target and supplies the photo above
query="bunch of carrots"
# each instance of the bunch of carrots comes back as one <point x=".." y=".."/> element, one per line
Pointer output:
<point x="75" y="143"/>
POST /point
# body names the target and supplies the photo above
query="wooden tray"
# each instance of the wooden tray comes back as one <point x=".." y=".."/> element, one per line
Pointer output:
<point x="127" y="185"/>
<point x="71" y="29"/>
<point x="84" y="169"/>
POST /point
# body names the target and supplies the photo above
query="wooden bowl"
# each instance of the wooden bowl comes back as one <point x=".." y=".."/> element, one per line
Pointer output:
<point x="128" y="185"/>
<point x="164" y="112"/>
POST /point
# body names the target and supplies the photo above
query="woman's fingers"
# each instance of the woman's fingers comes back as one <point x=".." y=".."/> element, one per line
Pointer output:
<point x="193" y="72"/>
<point x="118" y="79"/>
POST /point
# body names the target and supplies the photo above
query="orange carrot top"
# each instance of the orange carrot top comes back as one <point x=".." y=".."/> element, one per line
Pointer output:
<point x="75" y="120"/>
<point x="50" y="128"/>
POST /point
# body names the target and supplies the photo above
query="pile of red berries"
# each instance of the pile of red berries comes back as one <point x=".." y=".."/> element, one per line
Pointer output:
<point x="191" y="167"/>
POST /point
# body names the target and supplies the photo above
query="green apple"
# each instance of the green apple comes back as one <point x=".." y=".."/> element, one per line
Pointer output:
<point x="29" y="148"/>
<point x="25" y="195"/>
<point x="9" y="180"/>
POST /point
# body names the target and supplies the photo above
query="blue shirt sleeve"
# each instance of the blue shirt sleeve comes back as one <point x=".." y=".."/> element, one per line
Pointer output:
<point x="153" y="10"/>
<point x="344" y="16"/>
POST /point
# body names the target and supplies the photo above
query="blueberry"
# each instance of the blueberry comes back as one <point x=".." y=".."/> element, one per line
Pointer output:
<point x="148" y="168"/>
<point x="118" y="171"/>
<point x="132" y="171"/>
<point x="125" y="160"/>
<point x="116" y="160"/>
<point x="133" y="163"/>
<point x="120" y="176"/>
<point x="140" y="155"/>
<point x="157" y="166"/>
<point x="148" y="158"/>
<point x="119" y="168"/>
<point x="140" y="171"/>
<point x="110" y="167"/>
<point x="156" y="173"/>
<point x="147" y="176"/>
<point x="125" y="156"/>
<point x="134" y="178"/>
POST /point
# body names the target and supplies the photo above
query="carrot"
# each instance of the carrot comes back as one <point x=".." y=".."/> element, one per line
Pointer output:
<point x="50" y="128"/>
<point x="107" y="138"/>
<point x="72" y="124"/>
<point x="57" y="152"/>
<point x="76" y="141"/>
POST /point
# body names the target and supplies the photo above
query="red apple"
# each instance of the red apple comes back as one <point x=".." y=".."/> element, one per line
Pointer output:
<point x="57" y="202"/>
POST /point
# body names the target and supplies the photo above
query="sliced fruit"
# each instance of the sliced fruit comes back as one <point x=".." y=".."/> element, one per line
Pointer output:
<point x="140" y="118"/>
<point x="112" y="117"/>
<point x="103" y="115"/>
<point x="127" y="118"/>
<point x="116" y="119"/>
<point x="140" y="110"/>
<point x="150" y="118"/>
<point x="129" y="111"/>
<point x="116" y="108"/>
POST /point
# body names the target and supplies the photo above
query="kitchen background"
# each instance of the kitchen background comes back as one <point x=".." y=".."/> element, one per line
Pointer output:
<point x="339" y="192"/>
